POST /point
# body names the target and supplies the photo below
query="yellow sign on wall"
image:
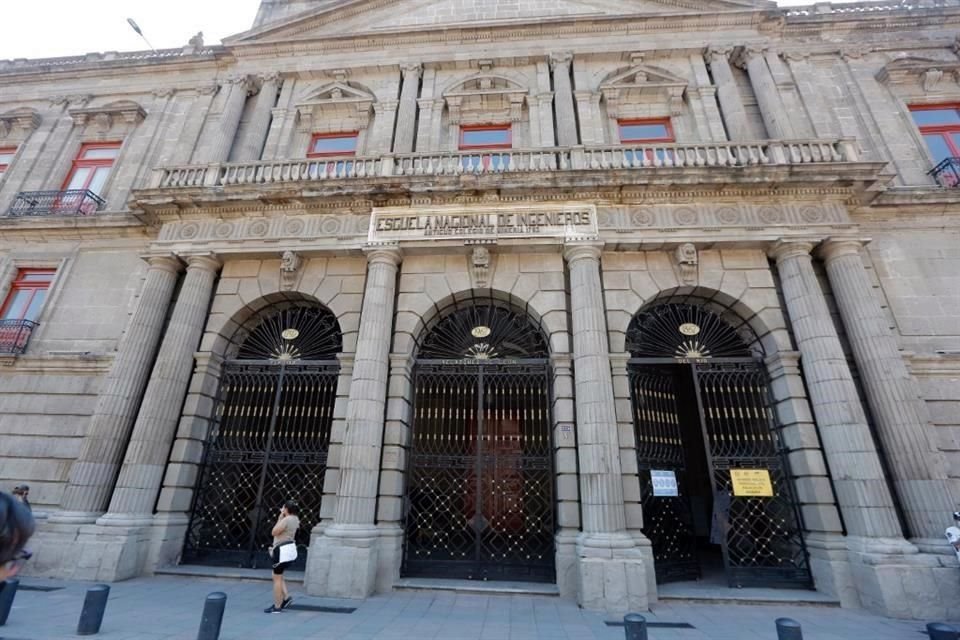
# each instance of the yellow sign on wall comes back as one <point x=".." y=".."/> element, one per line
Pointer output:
<point x="751" y="483"/>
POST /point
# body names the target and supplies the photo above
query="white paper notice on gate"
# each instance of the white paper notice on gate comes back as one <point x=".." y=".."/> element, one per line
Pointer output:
<point x="664" y="484"/>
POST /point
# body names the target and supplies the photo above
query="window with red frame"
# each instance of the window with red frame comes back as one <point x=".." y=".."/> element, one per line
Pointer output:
<point x="6" y="157"/>
<point x="633" y="131"/>
<point x="92" y="167"/>
<point x="482" y="138"/>
<point x="488" y="136"/>
<point x="27" y="294"/>
<point x="644" y="132"/>
<point x="939" y="125"/>
<point x="333" y="144"/>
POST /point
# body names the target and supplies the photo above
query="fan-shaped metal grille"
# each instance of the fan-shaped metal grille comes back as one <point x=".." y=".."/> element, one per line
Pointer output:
<point x="686" y="331"/>
<point x="484" y="332"/>
<point x="293" y="333"/>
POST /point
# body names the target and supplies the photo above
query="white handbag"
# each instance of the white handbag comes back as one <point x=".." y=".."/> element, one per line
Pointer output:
<point x="288" y="552"/>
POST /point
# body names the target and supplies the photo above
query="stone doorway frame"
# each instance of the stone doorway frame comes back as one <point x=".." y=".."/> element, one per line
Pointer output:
<point x="414" y="314"/>
<point x="733" y="296"/>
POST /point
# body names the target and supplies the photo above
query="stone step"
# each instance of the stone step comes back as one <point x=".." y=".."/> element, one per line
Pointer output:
<point x="227" y="573"/>
<point x="676" y="593"/>
<point x="477" y="587"/>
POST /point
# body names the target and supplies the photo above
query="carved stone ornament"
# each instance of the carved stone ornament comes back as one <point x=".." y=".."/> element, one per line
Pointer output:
<point x="929" y="74"/>
<point x="105" y="117"/>
<point x="480" y="267"/>
<point x="336" y="102"/>
<point x="687" y="263"/>
<point x="19" y="123"/>
<point x="289" y="265"/>
<point x="642" y="84"/>
<point x="485" y="97"/>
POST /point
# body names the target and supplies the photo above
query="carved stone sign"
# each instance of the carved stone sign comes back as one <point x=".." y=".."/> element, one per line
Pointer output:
<point x="484" y="223"/>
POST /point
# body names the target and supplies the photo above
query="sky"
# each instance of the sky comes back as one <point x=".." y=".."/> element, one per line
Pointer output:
<point x="51" y="28"/>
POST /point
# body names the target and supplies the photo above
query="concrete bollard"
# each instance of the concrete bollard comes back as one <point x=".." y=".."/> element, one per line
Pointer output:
<point x="635" y="626"/>
<point x="788" y="629"/>
<point x="212" y="616"/>
<point x="8" y="589"/>
<point x="94" y="606"/>
<point x="941" y="631"/>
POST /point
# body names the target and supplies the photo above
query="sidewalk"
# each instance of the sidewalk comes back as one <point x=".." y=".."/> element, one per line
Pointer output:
<point x="169" y="608"/>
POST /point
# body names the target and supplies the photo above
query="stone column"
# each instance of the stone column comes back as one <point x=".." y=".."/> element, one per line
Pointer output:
<point x="347" y="555"/>
<point x="884" y="568"/>
<point x="407" y="111"/>
<point x="731" y="106"/>
<point x="563" y="95"/>
<point x="91" y="478"/>
<point x="146" y="458"/>
<point x="612" y="574"/>
<point x="222" y="140"/>
<point x="765" y="89"/>
<point x="250" y="146"/>
<point x="899" y="410"/>
<point x="848" y="444"/>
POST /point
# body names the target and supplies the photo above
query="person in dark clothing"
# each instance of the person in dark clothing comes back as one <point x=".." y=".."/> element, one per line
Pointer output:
<point x="16" y="527"/>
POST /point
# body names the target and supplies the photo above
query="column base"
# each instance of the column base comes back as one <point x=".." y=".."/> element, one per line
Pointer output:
<point x="896" y="580"/>
<point x="89" y="552"/>
<point x="612" y="574"/>
<point x="565" y="557"/>
<point x="343" y="562"/>
<point x="389" y="557"/>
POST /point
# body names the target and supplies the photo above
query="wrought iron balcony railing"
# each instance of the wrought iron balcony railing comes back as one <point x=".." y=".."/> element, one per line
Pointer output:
<point x="75" y="202"/>
<point x="14" y="336"/>
<point x="643" y="157"/>
<point x="947" y="173"/>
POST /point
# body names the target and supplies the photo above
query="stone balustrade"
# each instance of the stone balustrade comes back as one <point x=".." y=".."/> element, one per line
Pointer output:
<point x="453" y="163"/>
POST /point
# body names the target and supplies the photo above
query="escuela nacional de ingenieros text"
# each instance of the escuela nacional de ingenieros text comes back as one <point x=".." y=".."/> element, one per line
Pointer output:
<point x="595" y="295"/>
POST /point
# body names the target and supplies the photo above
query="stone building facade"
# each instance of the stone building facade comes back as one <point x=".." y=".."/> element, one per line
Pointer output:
<point x="599" y="294"/>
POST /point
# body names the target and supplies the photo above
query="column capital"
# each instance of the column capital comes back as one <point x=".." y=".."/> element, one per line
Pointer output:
<point x="784" y="249"/>
<point x="833" y="248"/>
<point x="204" y="261"/>
<point x="575" y="252"/>
<point x="747" y="53"/>
<point x="411" y="68"/>
<point x="717" y="52"/>
<point x="563" y="58"/>
<point x="273" y="77"/>
<point x="383" y="254"/>
<point x="164" y="262"/>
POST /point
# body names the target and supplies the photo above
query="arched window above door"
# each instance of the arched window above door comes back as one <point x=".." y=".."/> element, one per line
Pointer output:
<point x="685" y="330"/>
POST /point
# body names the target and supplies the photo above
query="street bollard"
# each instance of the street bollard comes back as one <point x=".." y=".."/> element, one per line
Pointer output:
<point x="212" y="616"/>
<point x="788" y="629"/>
<point x="94" y="606"/>
<point x="8" y="589"/>
<point x="941" y="631"/>
<point x="635" y="626"/>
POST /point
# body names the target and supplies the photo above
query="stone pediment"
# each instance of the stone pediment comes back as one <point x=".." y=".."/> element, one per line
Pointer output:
<point x="337" y="101"/>
<point x="643" y="83"/>
<point x="356" y="17"/>
<point x="932" y="75"/>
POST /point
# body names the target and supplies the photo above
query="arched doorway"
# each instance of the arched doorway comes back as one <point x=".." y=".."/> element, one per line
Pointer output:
<point x="270" y="436"/>
<point x="716" y="488"/>
<point x="480" y="484"/>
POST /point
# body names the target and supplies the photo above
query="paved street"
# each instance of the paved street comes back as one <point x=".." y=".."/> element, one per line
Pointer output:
<point x="168" y="608"/>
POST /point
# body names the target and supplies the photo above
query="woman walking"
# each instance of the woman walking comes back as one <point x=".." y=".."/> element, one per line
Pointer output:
<point x="284" y="553"/>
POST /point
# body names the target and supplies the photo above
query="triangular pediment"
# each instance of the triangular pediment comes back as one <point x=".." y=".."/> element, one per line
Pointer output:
<point x="366" y="17"/>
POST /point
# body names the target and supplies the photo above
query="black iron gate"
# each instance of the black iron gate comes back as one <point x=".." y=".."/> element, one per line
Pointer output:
<point x="695" y="377"/>
<point x="270" y="436"/>
<point x="270" y="445"/>
<point x="661" y="451"/>
<point x="762" y="540"/>
<point x="480" y="483"/>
